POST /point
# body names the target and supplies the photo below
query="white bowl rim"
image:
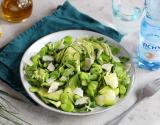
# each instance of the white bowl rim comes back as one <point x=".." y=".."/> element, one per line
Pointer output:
<point x="40" y="102"/>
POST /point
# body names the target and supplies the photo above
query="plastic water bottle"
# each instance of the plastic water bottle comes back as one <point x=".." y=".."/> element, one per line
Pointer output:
<point x="149" y="44"/>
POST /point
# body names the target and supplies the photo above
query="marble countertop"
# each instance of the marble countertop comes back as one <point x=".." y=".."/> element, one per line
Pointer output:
<point x="146" y="113"/>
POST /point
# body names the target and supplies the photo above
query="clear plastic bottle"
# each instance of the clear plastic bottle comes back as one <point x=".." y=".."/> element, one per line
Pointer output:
<point x="149" y="44"/>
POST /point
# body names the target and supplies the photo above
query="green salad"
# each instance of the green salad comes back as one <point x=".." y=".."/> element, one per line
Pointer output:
<point x="77" y="75"/>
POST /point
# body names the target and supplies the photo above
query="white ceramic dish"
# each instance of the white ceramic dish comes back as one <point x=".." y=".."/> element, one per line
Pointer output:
<point x="35" y="48"/>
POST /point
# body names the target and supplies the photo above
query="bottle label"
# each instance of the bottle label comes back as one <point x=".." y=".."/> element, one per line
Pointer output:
<point x="149" y="51"/>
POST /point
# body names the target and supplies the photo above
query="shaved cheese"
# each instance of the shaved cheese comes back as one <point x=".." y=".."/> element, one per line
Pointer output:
<point x="47" y="58"/>
<point x="81" y="101"/>
<point x="51" y="67"/>
<point x="112" y="80"/>
<point x="107" y="67"/>
<point x="54" y="86"/>
<point x="78" y="91"/>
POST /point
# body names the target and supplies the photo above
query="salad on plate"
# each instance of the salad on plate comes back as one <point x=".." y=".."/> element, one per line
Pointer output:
<point x="78" y="75"/>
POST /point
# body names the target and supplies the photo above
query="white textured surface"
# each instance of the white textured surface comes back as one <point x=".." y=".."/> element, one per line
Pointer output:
<point x="147" y="113"/>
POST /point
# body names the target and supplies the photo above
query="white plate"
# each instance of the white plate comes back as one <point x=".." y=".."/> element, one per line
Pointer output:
<point x="35" y="48"/>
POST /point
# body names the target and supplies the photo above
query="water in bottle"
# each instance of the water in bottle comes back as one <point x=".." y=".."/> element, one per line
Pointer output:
<point x="149" y="44"/>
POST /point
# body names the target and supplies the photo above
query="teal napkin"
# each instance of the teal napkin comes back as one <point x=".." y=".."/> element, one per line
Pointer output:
<point x="64" y="18"/>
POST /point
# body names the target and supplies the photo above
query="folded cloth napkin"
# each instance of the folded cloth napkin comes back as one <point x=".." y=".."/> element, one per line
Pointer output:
<point x="64" y="18"/>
